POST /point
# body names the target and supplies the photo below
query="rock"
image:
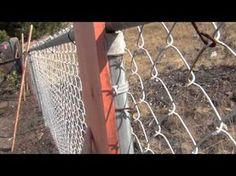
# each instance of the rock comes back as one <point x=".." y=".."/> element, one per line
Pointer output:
<point x="213" y="54"/>
<point x="229" y="93"/>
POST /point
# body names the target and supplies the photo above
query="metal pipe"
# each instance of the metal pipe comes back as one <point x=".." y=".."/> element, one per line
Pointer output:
<point x="115" y="26"/>
<point x="116" y="46"/>
<point x="69" y="36"/>
<point x="64" y="38"/>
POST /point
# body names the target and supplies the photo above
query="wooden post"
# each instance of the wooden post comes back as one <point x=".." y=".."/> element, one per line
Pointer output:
<point x="22" y="51"/>
<point x="21" y="89"/>
<point x="27" y="78"/>
<point x="96" y="82"/>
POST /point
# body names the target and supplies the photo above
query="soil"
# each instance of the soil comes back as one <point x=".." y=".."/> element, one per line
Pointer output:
<point x="191" y="104"/>
<point x="32" y="135"/>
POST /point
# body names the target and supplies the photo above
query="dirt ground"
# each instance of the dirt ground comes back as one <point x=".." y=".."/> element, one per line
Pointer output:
<point x="219" y="83"/>
<point x="32" y="135"/>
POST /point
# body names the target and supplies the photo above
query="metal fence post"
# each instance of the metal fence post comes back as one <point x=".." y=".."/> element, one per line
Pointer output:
<point x="116" y="49"/>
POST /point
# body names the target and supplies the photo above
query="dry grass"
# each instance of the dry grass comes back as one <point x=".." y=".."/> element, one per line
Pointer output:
<point x="215" y="74"/>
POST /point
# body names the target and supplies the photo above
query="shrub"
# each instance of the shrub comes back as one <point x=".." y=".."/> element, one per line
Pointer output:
<point x="3" y="36"/>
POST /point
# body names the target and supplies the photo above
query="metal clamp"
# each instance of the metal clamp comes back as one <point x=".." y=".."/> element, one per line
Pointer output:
<point x="120" y="89"/>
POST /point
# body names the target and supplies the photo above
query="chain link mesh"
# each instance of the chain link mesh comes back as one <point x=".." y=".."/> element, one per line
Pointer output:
<point x="55" y="73"/>
<point x="172" y="111"/>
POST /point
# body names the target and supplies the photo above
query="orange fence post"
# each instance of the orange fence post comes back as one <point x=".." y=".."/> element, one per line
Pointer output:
<point x="96" y="84"/>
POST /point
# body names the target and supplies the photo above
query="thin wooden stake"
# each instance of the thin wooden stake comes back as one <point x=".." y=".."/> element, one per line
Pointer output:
<point x="21" y="88"/>
<point x="22" y="51"/>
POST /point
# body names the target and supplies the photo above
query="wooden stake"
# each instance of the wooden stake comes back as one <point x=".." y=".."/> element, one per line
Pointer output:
<point x="22" y="51"/>
<point x="21" y="88"/>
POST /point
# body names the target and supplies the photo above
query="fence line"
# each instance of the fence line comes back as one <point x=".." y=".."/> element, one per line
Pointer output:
<point x="57" y="80"/>
<point x="79" y="82"/>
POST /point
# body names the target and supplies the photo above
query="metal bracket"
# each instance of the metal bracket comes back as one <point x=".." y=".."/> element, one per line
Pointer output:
<point x="121" y="88"/>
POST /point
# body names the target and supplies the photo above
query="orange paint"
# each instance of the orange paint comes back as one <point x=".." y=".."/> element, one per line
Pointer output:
<point x="95" y="76"/>
<point x="108" y="102"/>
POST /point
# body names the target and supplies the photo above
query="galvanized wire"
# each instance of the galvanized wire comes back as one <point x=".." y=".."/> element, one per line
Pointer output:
<point x="56" y="79"/>
<point x="143" y="120"/>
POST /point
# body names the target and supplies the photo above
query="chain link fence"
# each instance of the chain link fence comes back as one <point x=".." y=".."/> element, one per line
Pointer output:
<point x="171" y="111"/>
<point x="55" y="76"/>
<point x="177" y="87"/>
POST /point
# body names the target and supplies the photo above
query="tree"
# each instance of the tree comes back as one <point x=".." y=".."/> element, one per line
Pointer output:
<point x="3" y="36"/>
<point x="14" y="29"/>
